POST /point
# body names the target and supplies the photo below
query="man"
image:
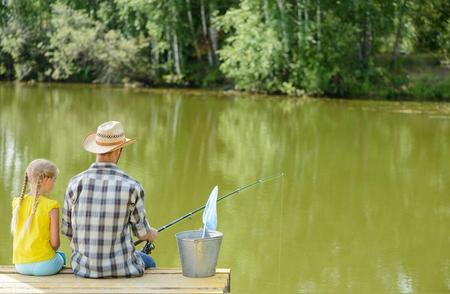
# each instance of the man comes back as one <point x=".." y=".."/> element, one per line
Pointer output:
<point x="100" y="206"/>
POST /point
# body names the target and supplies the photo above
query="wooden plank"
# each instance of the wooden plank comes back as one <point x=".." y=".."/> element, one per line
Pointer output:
<point x="104" y="288"/>
<point x="154" y="278"/>
<point x="159" y="280"/>
<point x="67" y="270"/>
<point x="113" y="291"/>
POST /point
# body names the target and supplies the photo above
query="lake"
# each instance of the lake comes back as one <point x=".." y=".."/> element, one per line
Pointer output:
<point x="363" y="206"/>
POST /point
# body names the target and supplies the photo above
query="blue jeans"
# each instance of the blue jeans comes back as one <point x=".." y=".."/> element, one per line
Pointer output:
<point x="43" y="268"/>
<point x="148" y="260"/>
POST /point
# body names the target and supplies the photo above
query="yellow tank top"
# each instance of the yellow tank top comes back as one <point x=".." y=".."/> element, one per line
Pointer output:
<point x="33" y="246"/>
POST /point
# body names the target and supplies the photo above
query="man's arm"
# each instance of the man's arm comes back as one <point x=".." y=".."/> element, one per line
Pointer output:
<point x="66" y="223"/>
<point x="139" y="223"/>
<point x="150" y="236"/>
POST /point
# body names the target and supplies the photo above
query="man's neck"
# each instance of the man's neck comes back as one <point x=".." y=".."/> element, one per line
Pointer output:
<point x="105" y="161"/>
<point x="110" y="157"/>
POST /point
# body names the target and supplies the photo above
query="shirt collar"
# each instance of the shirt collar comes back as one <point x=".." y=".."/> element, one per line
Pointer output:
<point x="102" y="165"/>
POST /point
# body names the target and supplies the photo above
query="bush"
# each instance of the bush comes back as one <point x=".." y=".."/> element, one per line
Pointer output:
<point x="82" y="48"/>
<point x="252" y="54"/>
<point x="21" y="51"/>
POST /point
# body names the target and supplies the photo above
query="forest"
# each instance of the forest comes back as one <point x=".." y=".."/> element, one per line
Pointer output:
<point x="396" y="49"/>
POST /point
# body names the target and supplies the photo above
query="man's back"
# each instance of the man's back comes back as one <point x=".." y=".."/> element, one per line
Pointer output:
<point x="100" y="206"/>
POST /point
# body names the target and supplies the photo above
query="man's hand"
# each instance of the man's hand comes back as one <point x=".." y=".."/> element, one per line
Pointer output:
<point x="150" y="236"/>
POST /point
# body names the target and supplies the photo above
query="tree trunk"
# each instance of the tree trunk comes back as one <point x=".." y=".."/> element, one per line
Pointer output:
<point x="398" y="33"/>
<point x="214" y="42"/>
<point x="213" y="37"/>
<point x="205" y="32"/>
<point x="191" y="26"/>
<point x="169" y="52"/>
<point x="305" y="23"/>
<point x="176" y="54"/>
<point x="300" y="22"/>
<point x="155" y="57"/>
<point x="266" y="11"/>
<point x="93" y="5"/>
<point x="367" y="37"/>
<point x="285" y="40"/>
<point x="318" y="25"/>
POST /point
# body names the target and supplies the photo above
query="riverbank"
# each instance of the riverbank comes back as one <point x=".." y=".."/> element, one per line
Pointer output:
<point x="426" y="79"/>
<point x="418" y="77"/>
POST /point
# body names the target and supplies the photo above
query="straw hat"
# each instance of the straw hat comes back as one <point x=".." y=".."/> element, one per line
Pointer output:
<point x="110" y="136"/>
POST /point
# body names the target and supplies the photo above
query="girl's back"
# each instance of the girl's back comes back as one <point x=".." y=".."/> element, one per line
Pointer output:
<point x="35" y="223"/>
<point x="34" y="245"/>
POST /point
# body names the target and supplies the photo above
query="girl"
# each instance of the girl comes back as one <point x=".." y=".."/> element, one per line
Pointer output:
<point x="35" y="223"/>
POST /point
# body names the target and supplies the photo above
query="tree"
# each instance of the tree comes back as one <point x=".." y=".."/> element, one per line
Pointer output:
<point x="252" y="52"/>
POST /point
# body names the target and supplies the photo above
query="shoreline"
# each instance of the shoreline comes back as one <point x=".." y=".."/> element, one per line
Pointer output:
<point x="233" y="92"/>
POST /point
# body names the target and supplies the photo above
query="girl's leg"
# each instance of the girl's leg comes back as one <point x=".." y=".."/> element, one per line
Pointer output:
<point x="62" y="255"/>
<point x="25" y="269"/>
<point x="148" y="260"/>
<point x="42" y="268"/>
<point x="49" y="267"/>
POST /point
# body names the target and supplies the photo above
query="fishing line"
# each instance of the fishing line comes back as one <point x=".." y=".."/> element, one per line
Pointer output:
<point x="148" y="247"/>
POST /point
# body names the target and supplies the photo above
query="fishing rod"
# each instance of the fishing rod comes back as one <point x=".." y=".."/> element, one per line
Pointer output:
<point x="148" y="247"/>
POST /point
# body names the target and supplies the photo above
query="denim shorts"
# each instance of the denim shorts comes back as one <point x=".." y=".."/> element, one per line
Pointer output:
<point x="148" y="260"/>
<point x="43" y="268"/>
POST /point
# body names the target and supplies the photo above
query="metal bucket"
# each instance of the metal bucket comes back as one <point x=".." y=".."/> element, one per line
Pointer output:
<point x="199" y="255"/>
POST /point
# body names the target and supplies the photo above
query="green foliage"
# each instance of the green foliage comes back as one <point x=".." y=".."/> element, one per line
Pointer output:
<point x="22" y="46"/>
<point x="81" y="47"/>
<point x="332" y="68"/>
<point x="434" y="90"/>
<point x="430" y="22"/>
<point x="256" y="58"/>
<point x="297" y="47"/>
<point x="443" y="40"/>
<point x="252" y="55"/>
<point x="73" y="43"/>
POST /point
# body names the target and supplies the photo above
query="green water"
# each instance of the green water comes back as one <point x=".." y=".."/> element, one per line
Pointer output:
<point x="363" y="206"/>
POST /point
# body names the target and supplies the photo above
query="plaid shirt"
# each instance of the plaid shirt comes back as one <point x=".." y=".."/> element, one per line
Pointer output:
<point x="100" y="206"/>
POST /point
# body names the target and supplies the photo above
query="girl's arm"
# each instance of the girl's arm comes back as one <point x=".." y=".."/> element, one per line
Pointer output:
<point x="54" y="228"/>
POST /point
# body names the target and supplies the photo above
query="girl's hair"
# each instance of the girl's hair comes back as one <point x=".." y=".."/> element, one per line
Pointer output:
<point x="35" y="173"/>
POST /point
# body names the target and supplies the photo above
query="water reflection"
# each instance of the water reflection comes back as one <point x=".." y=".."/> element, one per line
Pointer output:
<point x="363" y="206"/>
<point x="404" y="282"/>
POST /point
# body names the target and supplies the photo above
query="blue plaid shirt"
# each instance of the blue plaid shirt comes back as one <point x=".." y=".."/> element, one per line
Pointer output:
<point x="100" y="206"/>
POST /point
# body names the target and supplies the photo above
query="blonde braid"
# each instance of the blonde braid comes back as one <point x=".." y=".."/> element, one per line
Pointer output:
<point x="35" y="203"/>
<point x="16" y="209"/>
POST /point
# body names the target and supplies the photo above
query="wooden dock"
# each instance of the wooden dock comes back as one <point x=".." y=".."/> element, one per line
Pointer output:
<point x="159" y="280"/>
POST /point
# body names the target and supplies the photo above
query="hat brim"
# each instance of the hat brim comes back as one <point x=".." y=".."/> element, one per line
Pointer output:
<point x="90" y="145"/>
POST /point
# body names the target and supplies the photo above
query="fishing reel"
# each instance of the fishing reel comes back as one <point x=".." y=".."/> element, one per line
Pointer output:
<point x="148" y="248"/>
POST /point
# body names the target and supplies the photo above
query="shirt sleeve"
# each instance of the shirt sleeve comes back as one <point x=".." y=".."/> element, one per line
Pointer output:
<point x="66" y="224"/>
<point x="53" y="204"/>
<point x="138" y="218"/>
